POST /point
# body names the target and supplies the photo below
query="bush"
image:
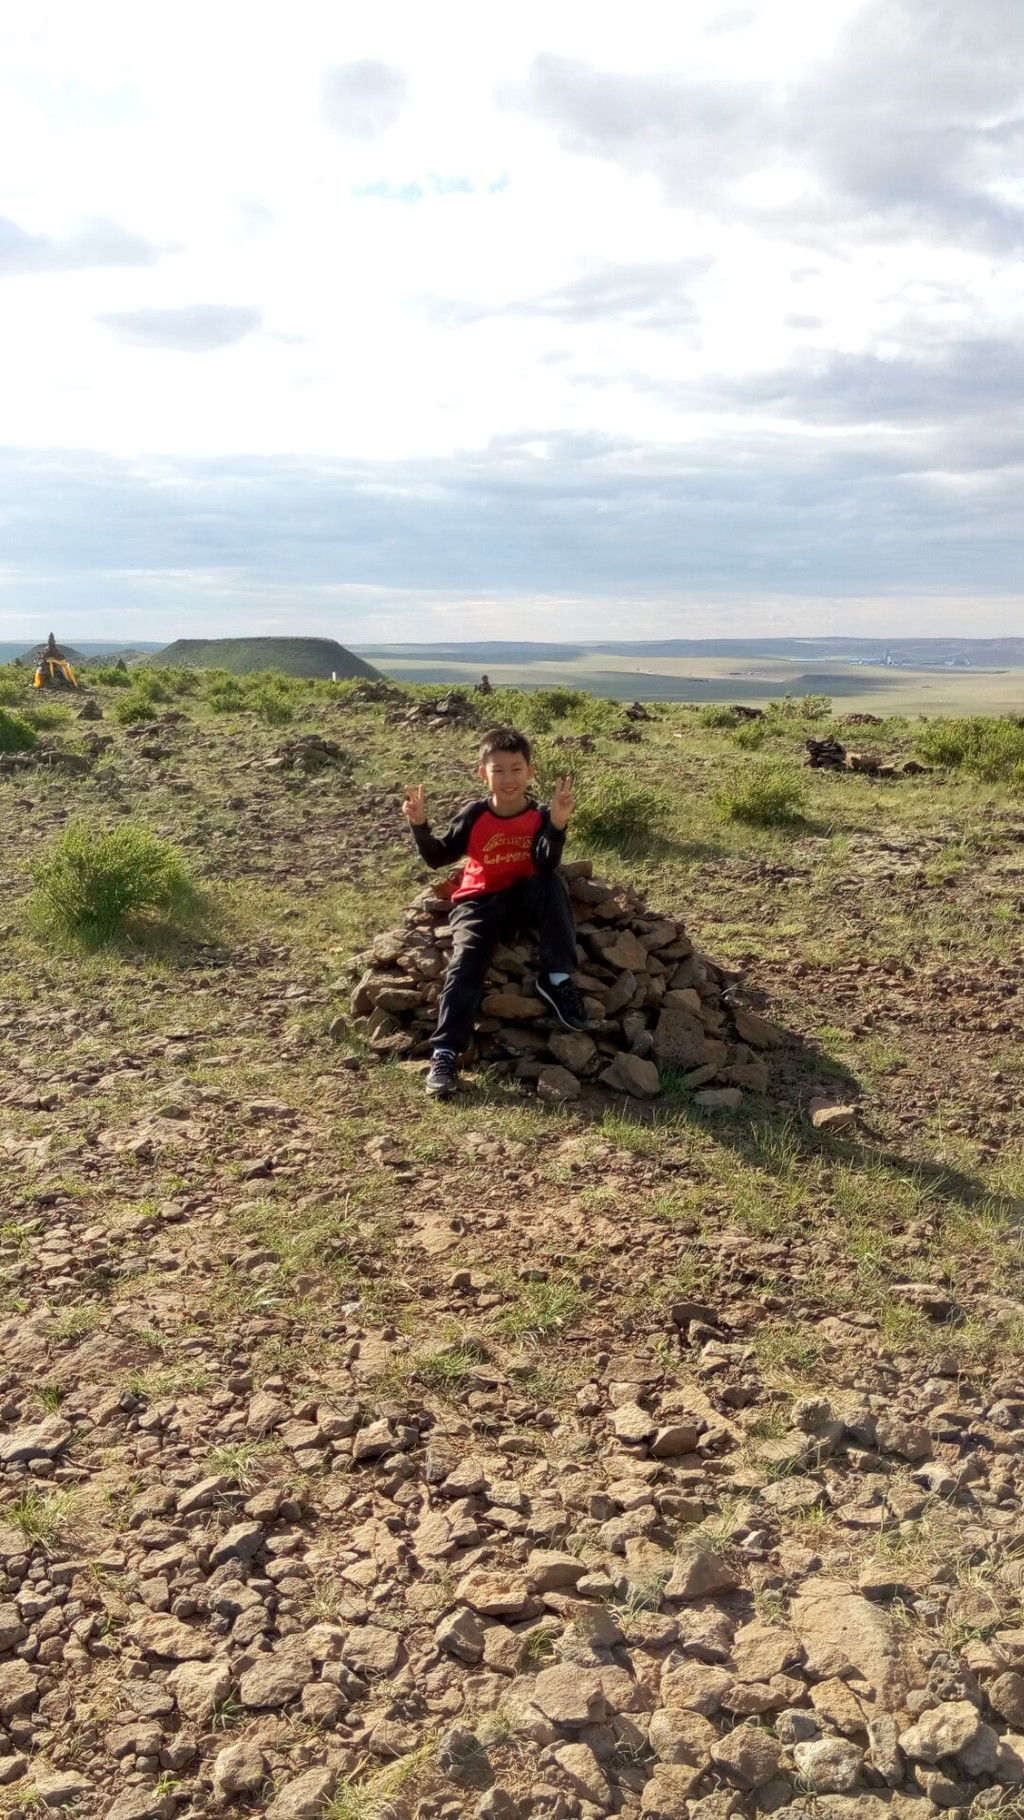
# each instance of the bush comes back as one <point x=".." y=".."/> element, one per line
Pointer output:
<point x="272" y="706"/>
<point x="750" y="734"/>
<point x="766" y="797"/>
<point x="106" y="885"/>
<point x="16" y="735"/>
<point x="228" y="698"/>
<point x="987" y="748"/>
<point x="615" y="813"/>
<point x="716" y="714"/>
<point x="132" y="709"/>
<point x="13" y="685"/>
<point x="804" y="707"/>
<point x="111" y="677"/>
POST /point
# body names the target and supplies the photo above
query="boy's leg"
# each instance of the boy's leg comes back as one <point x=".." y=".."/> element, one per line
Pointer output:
<point x="543" y="903"/>
<point x="476" y="926"/>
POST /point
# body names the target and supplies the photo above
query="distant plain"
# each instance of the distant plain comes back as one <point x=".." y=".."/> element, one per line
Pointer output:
<point x="858" y="688"/>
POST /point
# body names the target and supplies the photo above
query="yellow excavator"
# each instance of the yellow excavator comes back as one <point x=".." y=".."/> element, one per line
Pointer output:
<point x="53" y="670"/>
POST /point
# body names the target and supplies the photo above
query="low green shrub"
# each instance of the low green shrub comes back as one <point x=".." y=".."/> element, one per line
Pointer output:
<point x="111" y="677"/>
<point x="800" y="707"/>
<point x="717" y="714"/>
<point x="766" y="797"/>
<point x="229" y="698"/>
<point x="985" y="747"/>
<point x="613" y="812"/>
<point x="16" y="734"/>
<point x="99" y="885"/>
<point x="272" y="706"/>
<point x="750" y="734"/>
<point x="133" y="709"/>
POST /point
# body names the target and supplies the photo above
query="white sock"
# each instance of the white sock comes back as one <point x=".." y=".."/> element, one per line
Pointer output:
<point x="558" y="979"/>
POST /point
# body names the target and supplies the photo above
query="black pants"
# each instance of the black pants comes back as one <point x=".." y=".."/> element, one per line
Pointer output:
<point x="540" y="904"/>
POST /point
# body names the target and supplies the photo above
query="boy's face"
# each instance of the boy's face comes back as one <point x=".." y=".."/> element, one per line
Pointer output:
<point x="507" y="775"/>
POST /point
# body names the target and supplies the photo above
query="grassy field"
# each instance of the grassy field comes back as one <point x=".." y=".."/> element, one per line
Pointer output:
<point x="861" y="688"/>
<point x="206" y="1198"/>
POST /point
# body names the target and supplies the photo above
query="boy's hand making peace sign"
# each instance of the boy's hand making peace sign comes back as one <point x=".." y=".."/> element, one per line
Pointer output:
<point x="414" y="808"/>
<point x="563" y="802"/>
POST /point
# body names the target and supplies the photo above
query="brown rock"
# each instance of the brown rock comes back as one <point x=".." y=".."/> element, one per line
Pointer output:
<point x="760" y="1651"/>
<point x="748" y="1756"/>
<point x="634" y="1075"/>
<point x="699" y="1687"/>
<point x="679" y="1039"/>
<point x="513" y="1005"/>
<point x="757" y="1031"/>
<point x="681" y="1736"/>
<point x="831" y="1614"/>
<point x="826" y="1116"/>
<point x="699" y="1573"/>
<point x="495" y="1595"/>
<point x="574" y="1049"/>
<point x="626" y="952"/>
<point x="558" y="1085"/>
<point x="1006" y="1695"/>
<point x="18" y="1690"/>
<point x="719" y="1099"/>
<point x="569" y="1696"/>
<point x="161" y="1635"/>
<point x="274" y="1680"/>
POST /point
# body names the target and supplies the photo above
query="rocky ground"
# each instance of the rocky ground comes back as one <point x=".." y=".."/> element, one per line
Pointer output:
<point x="360" y="1457"/>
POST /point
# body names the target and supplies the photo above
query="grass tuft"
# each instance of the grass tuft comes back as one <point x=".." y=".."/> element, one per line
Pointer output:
<point x="767" y="797"/>
<point x="100" y="885"/>
<point x="15" y="733"/>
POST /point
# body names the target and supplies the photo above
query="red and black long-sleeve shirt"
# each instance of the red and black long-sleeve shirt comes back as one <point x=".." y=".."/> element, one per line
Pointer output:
<point x="500" y="849"/>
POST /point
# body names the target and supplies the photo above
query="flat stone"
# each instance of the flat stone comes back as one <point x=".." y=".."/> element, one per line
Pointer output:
<point x="632" y="1074"/>
<point x="631" y="1423"/>
<point x="59" y="1787"/>
<point x="274" y="1680"/>
<point x="680" y="1736"/>
<point x="304" y="1798"/>
<point x="161" y="1635"/>
<point x="665" y="1796"/>
<point x="240" y="1542"/>
<point x="495" y="1595"/>
<point x="569" y="1696"/>
<point x="760" y="1651"/>
<point x="700" y="1573"/>
<point x="748" y="1756"/>
<point x="584" y="1774"/>
<point x="698" y="1686"/>
<point x="829" y="1766"/>
<point x="574" y="1049"/>
<point x="943" y="1731"/>
<point x="558" y="1085"/>
<point x="462" y="1634"/>
<point x="198" y="1687"/>
<point x="675" y="1438"/>
<point x="830" y="1117"/>
<point x="910" y="1440"/>
<point x="830" y="1615"/>
<point x="238" y="1769"/>
<point x="370" y="1650"/>
<point x="550" y="1571"/>
<point x="42" y="1440"/>
<point x="719" y="1099"/>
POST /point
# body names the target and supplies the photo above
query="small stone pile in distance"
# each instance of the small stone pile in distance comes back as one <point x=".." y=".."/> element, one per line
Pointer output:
<point x="653" y="1003"/>
<point x="828" y="755"/>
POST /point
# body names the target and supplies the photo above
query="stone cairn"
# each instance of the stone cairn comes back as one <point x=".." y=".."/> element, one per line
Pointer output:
<point x="653" y="1002"/>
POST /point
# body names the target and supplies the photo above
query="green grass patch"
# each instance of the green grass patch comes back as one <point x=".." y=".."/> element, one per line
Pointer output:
<point x="617" y="813"/>
<point x="99" y="885"/>
<point x="16" y="735"/>
<point x="987" y="748"/>
<point x="767" y="797"/>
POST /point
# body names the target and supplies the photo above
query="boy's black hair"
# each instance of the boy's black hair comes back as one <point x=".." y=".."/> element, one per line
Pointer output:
<point x="504" y="739"/>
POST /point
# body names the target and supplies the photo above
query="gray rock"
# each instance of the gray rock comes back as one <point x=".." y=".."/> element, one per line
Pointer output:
<point x="240" y="1542"/>
<point x="43" y="1440"/>
<point x="278" y="1677"/>
<point x="699" y="1573"/>
<point x="462" y="1634"/>
<point x="749" y="1756"/>
<point x="198" y="1687"/>
<point x="829" y="1766"/>
<point x="239" y="1769"/>
<point x="304" y="1798"/>
<point x="945" y="1731"/>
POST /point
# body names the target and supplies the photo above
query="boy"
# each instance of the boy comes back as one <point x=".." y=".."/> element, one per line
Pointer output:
<point x="514" y="846"/>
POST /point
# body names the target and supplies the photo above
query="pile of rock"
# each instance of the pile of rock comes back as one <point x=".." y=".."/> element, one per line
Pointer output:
<point x="452" y="710"/>
<point x="653" y="1003"/>
<point x="828" y="755"/>
<point x="40" y="758"/>
<point x="308" y="752"/>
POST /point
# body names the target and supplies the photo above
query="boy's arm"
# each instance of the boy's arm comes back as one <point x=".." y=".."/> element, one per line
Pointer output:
<point x="549" y="842"/>
<point x="441" y="849"/>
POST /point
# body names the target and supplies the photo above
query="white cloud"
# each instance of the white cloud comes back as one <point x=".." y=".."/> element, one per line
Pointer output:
<point x="680" y="300"/>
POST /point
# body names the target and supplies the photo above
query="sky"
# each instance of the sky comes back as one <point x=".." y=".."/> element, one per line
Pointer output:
<point x="401" y="323"/>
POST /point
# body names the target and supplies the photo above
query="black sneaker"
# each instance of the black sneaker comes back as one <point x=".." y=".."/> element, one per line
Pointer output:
<point x="443" y="1078"/>
<point x="565" y="1000"/>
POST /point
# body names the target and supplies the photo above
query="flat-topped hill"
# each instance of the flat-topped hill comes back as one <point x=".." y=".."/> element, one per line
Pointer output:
<point x="292" y="656"/>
